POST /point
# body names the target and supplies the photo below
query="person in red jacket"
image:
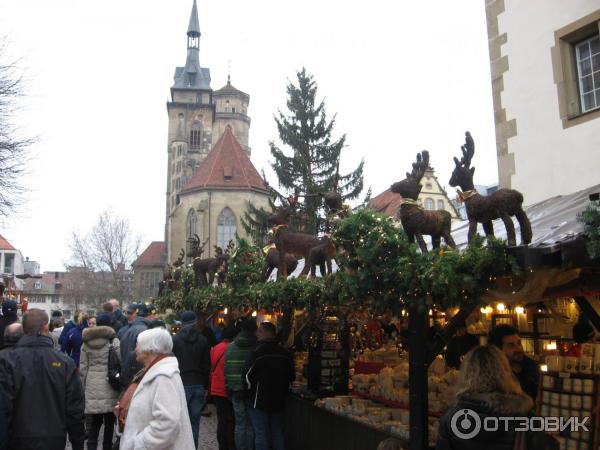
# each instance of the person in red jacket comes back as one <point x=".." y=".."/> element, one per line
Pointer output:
<point x="225" y="415"/>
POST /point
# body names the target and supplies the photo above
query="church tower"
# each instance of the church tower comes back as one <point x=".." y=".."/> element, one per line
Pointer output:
<point x="207" y="196"/>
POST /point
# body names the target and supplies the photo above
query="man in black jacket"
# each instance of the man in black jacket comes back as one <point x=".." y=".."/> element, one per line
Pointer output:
<point x="268" y="375"/>
<point x="193" y="355"/>
<point x="128" y="336"/>
<point x="9" y="316"/>
<point x="43" y="391"/>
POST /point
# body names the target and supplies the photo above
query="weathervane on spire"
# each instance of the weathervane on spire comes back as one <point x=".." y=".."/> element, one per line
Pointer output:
<point x="229" y="71"/>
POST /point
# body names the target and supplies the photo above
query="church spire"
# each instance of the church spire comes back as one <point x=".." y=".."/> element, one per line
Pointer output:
<point x="193" y="31"/>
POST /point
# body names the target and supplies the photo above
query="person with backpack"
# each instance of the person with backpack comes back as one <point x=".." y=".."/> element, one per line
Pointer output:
<point x="72" y="345"/>
<point x="99" y="345"/>
<point x="191" y="349"/>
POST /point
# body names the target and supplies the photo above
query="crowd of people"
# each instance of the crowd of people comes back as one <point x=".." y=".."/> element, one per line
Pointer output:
<point x="148" y="389"/>
<point x="145" y="387"/>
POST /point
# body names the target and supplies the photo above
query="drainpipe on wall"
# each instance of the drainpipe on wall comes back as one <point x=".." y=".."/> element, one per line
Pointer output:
<point x="209" y="220"/>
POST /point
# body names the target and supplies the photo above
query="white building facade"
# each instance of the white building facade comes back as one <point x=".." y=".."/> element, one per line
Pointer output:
<point x="545" y="66"/>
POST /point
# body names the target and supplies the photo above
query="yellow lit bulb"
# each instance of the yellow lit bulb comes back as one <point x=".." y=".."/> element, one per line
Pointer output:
<point x="544" y="368"/>
<point x="519" y="310"/>
<point x="225" y="311"/>
<point x="254" y="313"/>
<point x="500" y="307"/>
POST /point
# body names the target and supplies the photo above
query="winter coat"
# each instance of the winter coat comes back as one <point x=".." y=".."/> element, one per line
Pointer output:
<point x="100" y="397"/>
<point x="492" y="405"/>
<point x="74" y="341"/>
<point x="191" y="349"/>
<point x="158" y="414"/>
<point x="129" y="365"/>
<point x="44" y="396"/>
<point x="237" y="355"/>
<point x="5" y="321"/>
<point x="64" y="334"/>
<point x="217" y="369"/>
<point x="268" y="375"/>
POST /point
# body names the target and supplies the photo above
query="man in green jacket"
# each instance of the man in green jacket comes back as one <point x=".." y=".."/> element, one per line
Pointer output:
<point x="237" y="355"/>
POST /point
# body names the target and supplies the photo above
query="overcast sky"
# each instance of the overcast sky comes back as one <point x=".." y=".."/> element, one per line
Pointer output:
<point x="401" y="76"/>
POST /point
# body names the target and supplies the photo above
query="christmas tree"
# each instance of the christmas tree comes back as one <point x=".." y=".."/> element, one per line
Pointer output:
<point x="312" y="165"/>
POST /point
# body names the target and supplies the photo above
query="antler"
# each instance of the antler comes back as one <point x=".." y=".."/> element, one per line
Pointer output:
<point x="421" y="165"/>
<point x="230" y="247"/>
<point x="179" y="261"/>
<point x="218" y="250"/>
<point x="468" y="150"/>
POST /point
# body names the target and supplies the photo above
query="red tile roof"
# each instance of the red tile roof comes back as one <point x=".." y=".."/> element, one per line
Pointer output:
<point x="226" y="166"/>
<point x="154" y="255"/>
<point x="387" y="202"/>
<point x="5" y="245"/>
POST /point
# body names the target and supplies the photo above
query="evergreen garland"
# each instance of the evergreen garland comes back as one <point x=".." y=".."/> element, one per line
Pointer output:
<point x="590" y="218"/>
<point x="379" y="268"/>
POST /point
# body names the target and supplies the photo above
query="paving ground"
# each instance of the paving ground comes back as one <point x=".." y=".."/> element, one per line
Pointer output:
<point x="208" y="432"/>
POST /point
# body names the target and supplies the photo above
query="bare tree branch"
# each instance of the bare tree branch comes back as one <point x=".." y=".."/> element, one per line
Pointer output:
<point x="13" y="148"/>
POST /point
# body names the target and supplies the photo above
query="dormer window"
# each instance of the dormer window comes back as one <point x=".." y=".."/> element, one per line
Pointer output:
<point x="228" y="172"/>
<point x="37" y="285"/>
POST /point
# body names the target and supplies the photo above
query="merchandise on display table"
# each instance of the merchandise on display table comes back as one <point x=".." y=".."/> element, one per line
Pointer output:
<point x="390" y="385"/>
<point x="391" y="420"/>
<point x="328" y="372"/>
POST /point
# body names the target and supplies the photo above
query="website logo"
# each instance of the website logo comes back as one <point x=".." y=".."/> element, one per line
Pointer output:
<point x="465" y="424"/>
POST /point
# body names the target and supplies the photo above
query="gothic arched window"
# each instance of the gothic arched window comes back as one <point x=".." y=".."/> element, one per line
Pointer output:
<point x="196" y="135"/>
<point x="226" y="227"/>
<point x="191" y="222"/>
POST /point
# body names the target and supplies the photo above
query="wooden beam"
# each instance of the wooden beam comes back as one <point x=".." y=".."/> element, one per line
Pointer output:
<point x="589" y="311"/>
<point x="442" y="338"/>
<point x="417" y="374"/>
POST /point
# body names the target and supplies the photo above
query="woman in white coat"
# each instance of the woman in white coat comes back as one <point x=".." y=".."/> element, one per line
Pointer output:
<point x="153" y="408"/>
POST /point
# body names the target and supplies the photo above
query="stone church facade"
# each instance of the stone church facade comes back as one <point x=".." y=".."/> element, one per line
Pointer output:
<point x="210" y="178"/>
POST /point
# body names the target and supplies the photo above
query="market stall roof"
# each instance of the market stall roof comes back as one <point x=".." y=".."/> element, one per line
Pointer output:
<point x="553" y="220"/>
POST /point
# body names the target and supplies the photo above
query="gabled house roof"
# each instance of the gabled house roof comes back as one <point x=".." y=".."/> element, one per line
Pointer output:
<point x="5" y="245"/>
<point x="387" y="203"/>
<point x="154" y="255"/>
<point x="227" y="166"/>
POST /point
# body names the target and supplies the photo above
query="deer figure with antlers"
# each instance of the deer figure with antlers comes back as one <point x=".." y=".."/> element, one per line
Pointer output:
<point x="501" y="204"/>
<point x="179" y="261"/>
<point x="416" y="221"/>
<point x="196" y="247"/>
<point x="206" y="269"/>
<point x="290" y="242"/>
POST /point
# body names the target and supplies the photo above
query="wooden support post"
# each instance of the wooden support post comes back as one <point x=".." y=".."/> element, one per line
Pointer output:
<point x="589" y="311"/>
<point x="442" y="338"/>
<point x="417" y="374"/>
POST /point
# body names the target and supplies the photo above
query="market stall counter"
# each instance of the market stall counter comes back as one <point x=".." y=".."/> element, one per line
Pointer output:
<point x="308" y="426"/>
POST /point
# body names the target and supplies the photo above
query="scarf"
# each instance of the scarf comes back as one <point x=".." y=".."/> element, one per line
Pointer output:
<point x="122" y="407"/>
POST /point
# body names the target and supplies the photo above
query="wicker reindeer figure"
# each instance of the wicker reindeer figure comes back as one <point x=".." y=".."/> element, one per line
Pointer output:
<point x="196" y="247"/>
<point x="321" y="256"/>
<point x="206" y="269"/>
<point x="272" y="262"/>
<point x="416" y="221"/>
<point x="501" y="204"/>
<point x="290" y="242"/>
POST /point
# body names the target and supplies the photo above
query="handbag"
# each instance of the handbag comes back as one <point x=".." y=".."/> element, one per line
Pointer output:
<point x="114" y="368"/>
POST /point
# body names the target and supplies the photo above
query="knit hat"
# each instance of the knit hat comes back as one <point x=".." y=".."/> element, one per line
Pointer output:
<point x="188" y="318"/>
<point x="103" y="319"/>
<point x="57" y="314"/>
<point x="9" y="307"/>
<point x="143" y="310"/>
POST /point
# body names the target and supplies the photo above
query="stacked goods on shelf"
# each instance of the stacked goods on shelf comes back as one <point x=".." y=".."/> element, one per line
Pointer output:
<point x="327" y="358"/>
<point x="390" y="386"/>
<point x="567" y="396"/>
